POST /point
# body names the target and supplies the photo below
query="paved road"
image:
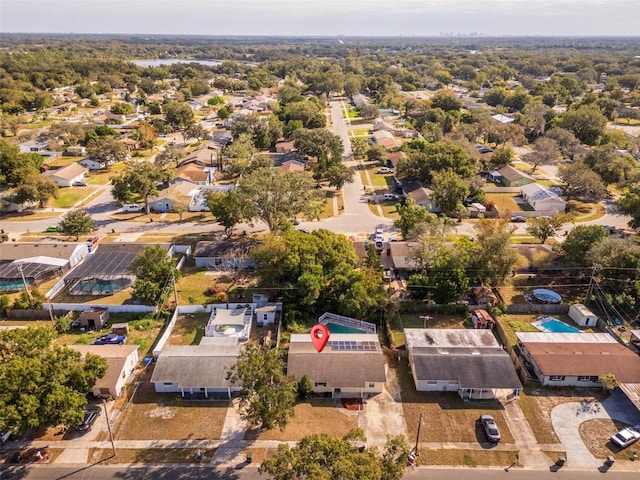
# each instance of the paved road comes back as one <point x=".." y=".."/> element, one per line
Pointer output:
<point x="243" y="472"/>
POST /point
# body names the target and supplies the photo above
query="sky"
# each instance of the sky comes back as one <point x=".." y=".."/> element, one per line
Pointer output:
<point x="325" y="17"/>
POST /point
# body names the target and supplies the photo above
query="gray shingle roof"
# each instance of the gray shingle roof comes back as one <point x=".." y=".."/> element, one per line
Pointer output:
<point x="196" y="366"/>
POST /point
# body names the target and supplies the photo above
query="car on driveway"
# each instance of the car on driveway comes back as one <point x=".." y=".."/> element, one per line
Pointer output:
<point x="490" y="428"/>
<point x="626" y="436"/>
<point x="518" y="219"/>
<point x="384" y="170"/>
<point x="91" y="414"/>
<point x="110" y="339"/>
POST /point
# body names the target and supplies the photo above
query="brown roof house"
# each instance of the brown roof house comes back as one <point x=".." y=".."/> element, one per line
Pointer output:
<point x="121" y="363"/>
<point x="422" y="195"/>
<point x="470" y="362"/>
<point x="578" y="359"/>
<point x="403" y="259"/>
<point x="349" y="366"/>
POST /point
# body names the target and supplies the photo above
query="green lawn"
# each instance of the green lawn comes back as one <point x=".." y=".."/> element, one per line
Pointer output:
<point x="67" y="197"/>
<point x="504" y="202"/>
<point x="102" y="177"/>
<point x="63" y="161"/>
<point x="360" y="132"/>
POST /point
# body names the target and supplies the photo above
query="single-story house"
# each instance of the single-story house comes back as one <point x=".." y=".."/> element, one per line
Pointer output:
<point x="386" y="140"/>
<point x="484" y="295"/>
<point x="402" y="257"/>
<point x="393" y="158"/>
<point x="511" y="177"/>
<point x="359" y="100"/>
<point x="196" y="370"/>
<point x="541" y="198"/>
<point x="223" y="254"/>
<point x="121" y="363"/>
<point x="195" y="173"/>
<point x="177" y="192"/>
<point x="76" y="151"/>
<point x="350" y="365"/>
<point x="292" y="166"/>
<point x="422" y="195"/>
<point x="34" y="146"/>
<point x="285" y="147"/>
<point x="93" y="164"/>
<point x="577" y="359"/>
<point x="470" y="362"/>
<point x="503" y="118"/>
<point x="94" y="318"/>
<point x="69" y="175"/>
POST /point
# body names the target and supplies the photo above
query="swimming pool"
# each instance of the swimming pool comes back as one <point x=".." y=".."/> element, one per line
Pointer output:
<point x="542" y="295"/>
<point x="550" y="324"/>
<point x="335" y="328"/>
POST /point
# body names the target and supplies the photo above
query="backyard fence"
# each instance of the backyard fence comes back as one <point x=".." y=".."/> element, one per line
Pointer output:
<point x="538" y="308"/>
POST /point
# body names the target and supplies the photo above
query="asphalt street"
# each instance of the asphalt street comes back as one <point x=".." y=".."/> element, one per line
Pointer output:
<point x="244" y="472"/>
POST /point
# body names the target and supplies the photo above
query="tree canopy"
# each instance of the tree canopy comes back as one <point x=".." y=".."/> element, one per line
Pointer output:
<point x="139" y="180"/>
<point x="77" y="222"/>
<point x="267" y="395"/>
<point x="325" y="457"/>
<point x="43" y="384"/>
<point x="155" y="271"/>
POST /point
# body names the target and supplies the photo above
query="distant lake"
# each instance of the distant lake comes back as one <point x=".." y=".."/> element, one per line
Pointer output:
<point x="173" y="61"/>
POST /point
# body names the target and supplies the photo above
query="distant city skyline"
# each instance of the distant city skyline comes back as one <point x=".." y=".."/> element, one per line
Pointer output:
<point x="324" y="17"/>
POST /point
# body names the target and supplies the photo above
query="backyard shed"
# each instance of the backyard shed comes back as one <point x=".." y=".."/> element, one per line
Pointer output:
<point x="94" y="318"/>
<point x="120" y="328"/>
<point x="582" y="315"/>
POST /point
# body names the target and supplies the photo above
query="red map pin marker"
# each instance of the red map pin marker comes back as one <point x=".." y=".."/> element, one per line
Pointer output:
<point x="319" y="336"/>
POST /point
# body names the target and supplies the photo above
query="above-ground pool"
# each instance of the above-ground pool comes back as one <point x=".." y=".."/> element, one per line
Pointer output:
<point x="550" y="324"/>
<point x="542" y="295"/>
<point x="335" y="328"/>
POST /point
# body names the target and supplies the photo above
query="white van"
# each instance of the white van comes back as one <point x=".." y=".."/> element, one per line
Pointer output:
<point x="132" y="207"/>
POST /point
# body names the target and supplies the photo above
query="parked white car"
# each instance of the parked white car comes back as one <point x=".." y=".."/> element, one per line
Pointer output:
<point x="384" y="170"/>
<point x="132" y="207"/>
<point x="626" y="436"/>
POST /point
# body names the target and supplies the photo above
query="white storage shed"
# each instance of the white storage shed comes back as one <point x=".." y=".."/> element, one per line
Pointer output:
<point x="582" y="315"/>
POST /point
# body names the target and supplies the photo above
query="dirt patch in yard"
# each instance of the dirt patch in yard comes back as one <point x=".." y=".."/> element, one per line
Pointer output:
<point x="311" y="417"/>
<point x="596" y="434"/>
<point x="537" y="403"/>
<point x="446" y="417"/>
<point x="154" y="416"/>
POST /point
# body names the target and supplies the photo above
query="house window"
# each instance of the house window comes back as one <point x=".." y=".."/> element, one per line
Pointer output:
<point x="265" y="317"/>
<point x="372" y="385"/>
<point x="321" y="384"/>
<point x="556" y="378"/>
<point x="585" y="378"/>
<point x="168" y="383"/>
<point x="432" y="382"/>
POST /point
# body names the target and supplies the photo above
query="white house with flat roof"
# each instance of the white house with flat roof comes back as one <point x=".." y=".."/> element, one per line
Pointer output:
<point x="541" y="198"/>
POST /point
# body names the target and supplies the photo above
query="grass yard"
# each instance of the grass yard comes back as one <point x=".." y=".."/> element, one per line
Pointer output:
<point x="27" y="215"/>
<point x="151" y="455"/>
<point x="102" y="177"/>
<point x="596" y="433"/>
<point x="194" y="284"/>
<point x="360" y="132"/>
<point x="537" y="403"/>
<point x="376" y="179"/>
<point x="586" y="212"/>
<point x="504" y="202"/>
<point x="466" y="458"/>
<point x="62" y="161"/>
<point x="189" y="329"/>
<point x="390" y="210"/>
<point x="68" y="197"/>
<point x="154" y="416"/>
<point x="314" y="416"/>
<point x="447" y="418"/>
<point x="143" y="331"/>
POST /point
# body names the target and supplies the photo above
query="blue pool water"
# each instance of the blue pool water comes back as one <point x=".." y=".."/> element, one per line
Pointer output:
<point x="335" y="328"/>
<point x="556" y="326"/>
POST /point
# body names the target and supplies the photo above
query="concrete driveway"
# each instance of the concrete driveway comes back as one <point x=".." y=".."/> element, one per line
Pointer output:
<point x="567" y="417"/>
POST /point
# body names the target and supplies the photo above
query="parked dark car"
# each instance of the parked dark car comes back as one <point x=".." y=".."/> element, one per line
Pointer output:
<point x="110" y="339"/>
<point x="91" y="414"/>
<point x="518" y="219"/>
<point x="490" y="428"/>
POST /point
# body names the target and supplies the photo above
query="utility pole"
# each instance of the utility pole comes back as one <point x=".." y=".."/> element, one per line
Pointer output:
<point x="590" y="287"/>
<point x="24" y="281"/>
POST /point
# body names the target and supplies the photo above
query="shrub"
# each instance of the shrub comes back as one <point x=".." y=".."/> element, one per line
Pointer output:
<point x="304" y="387"/>
<point x="63" y="324"/>
<point x="221" y="297"/>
